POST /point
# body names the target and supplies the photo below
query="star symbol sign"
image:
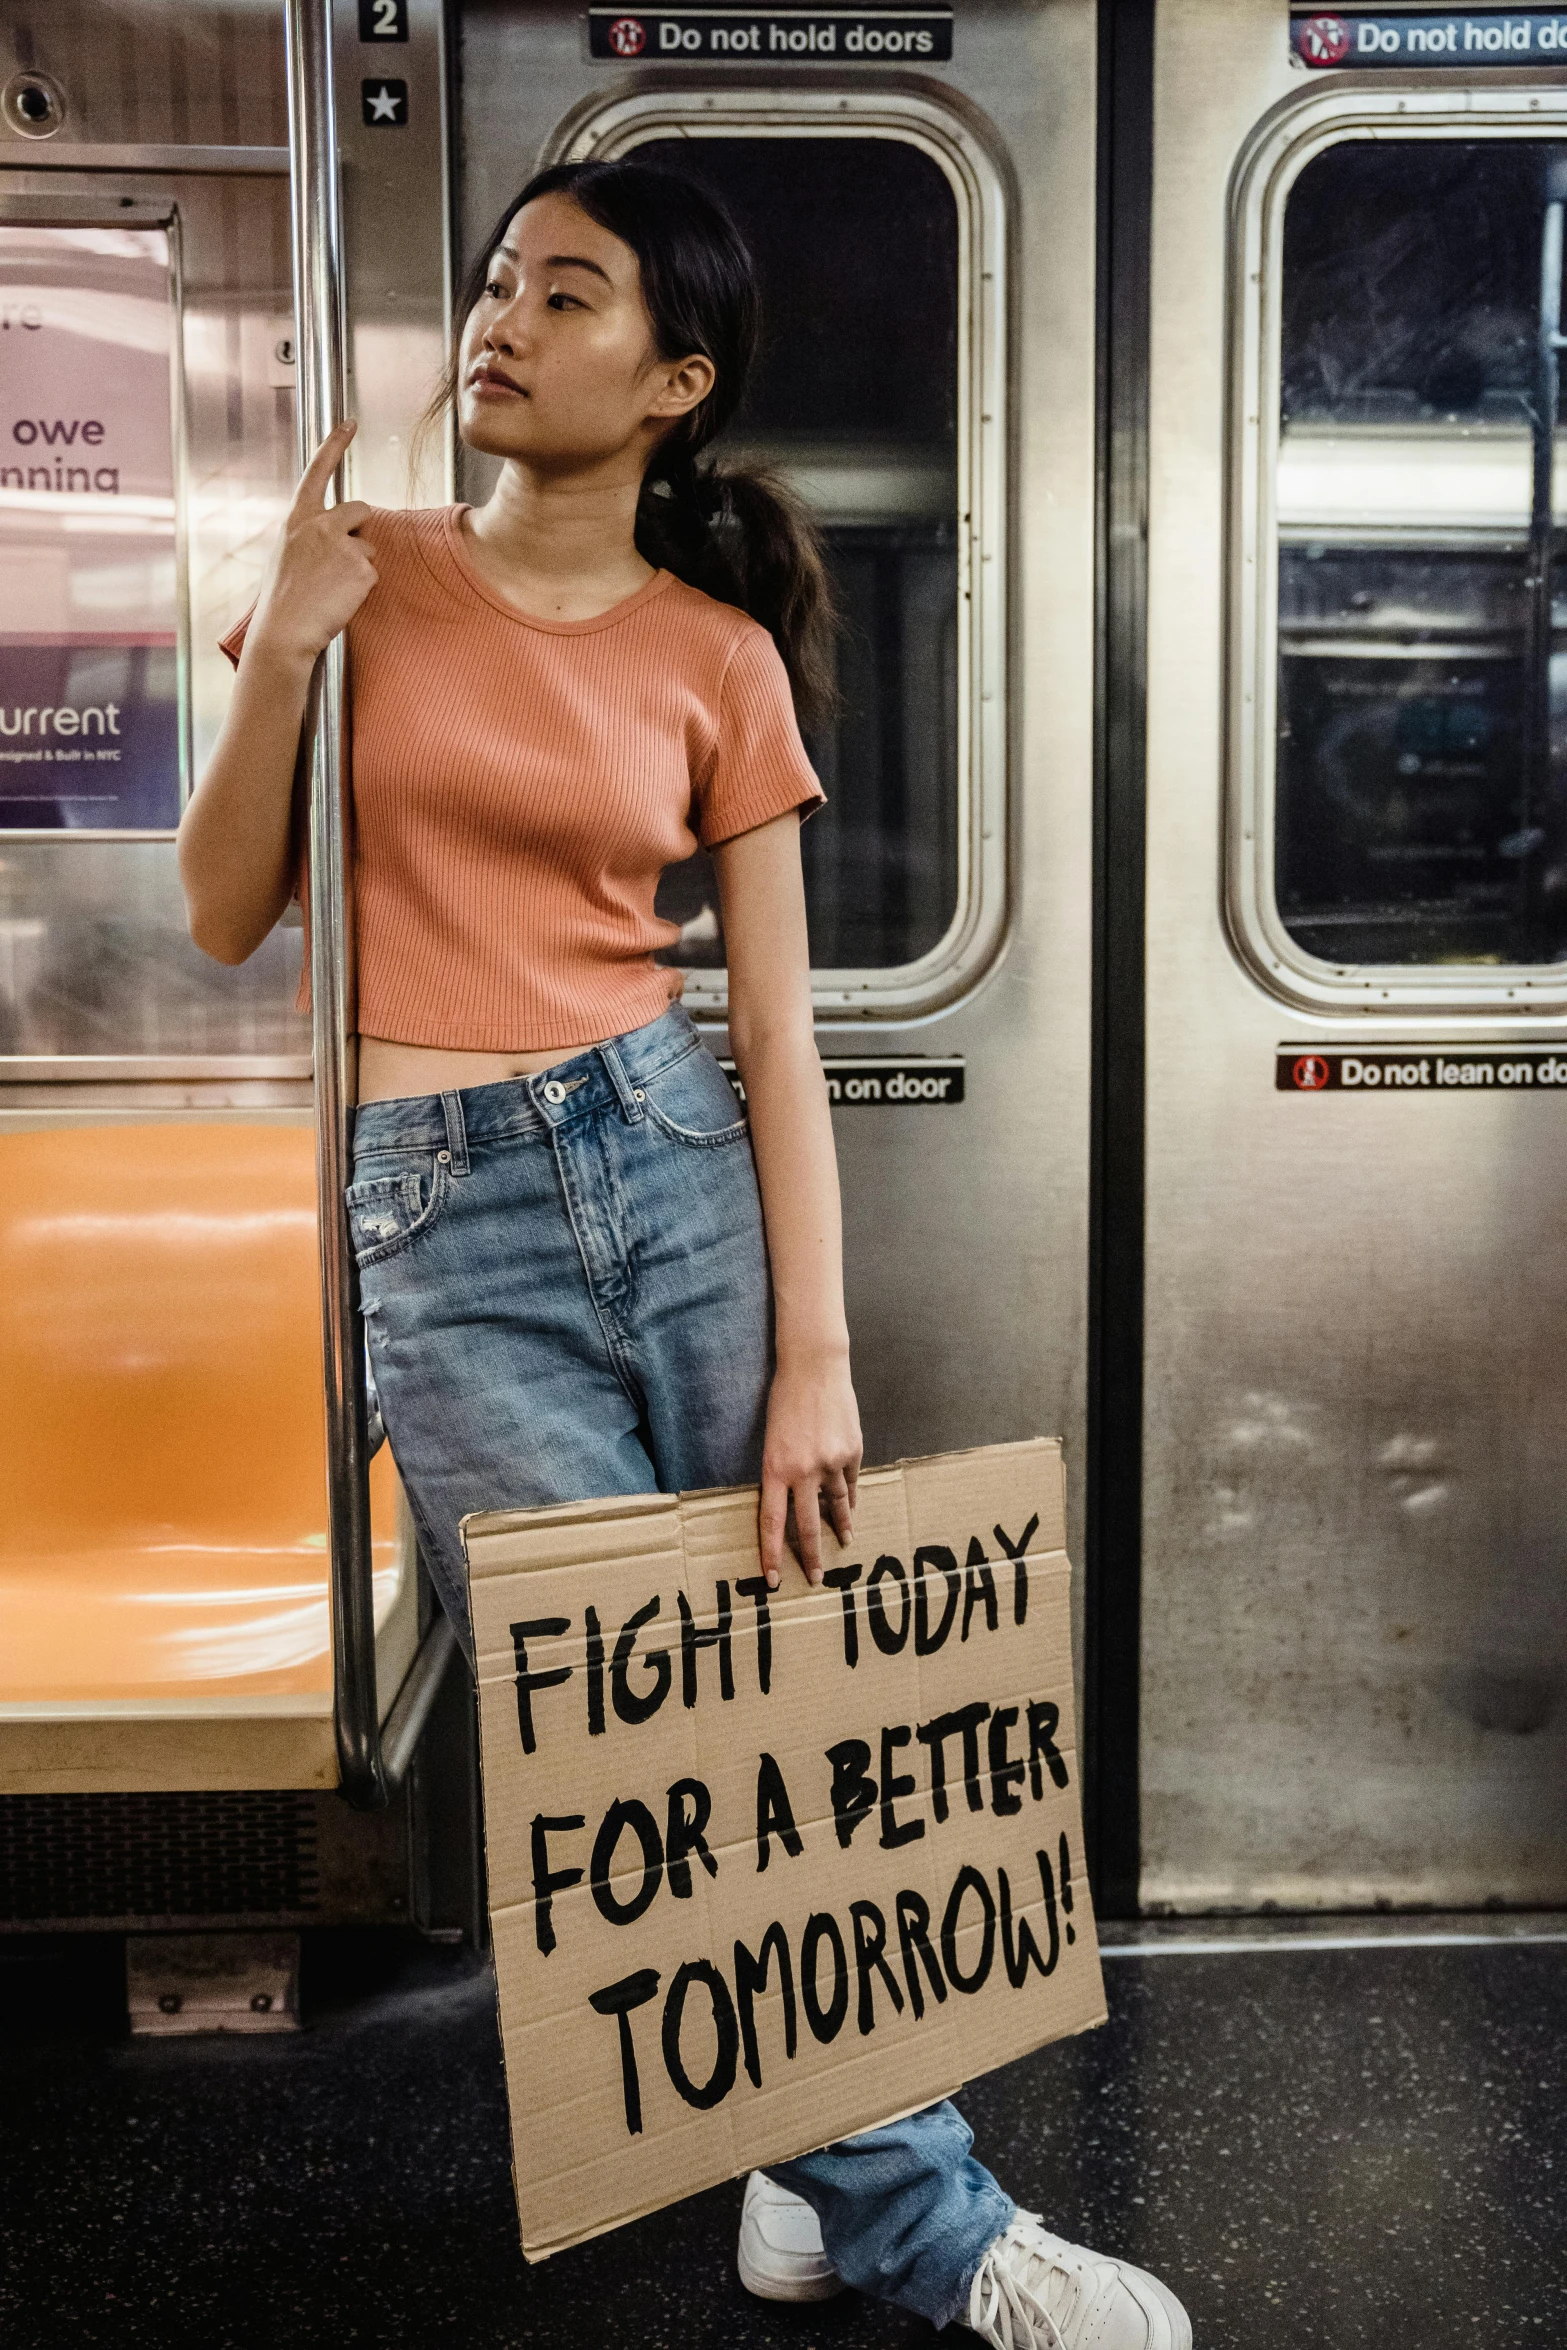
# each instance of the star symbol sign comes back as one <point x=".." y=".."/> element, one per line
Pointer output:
<point x="383" y="106"/>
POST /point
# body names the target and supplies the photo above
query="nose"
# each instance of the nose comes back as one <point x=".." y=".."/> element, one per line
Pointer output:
<point x="505" y="330"/>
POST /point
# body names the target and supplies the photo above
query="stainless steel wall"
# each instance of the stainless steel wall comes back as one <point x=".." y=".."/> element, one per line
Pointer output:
<point x="180" y="110"/>
<point x="966" y="1227"/>
<point x="1353" y="1635"/>
<point x="160" y="73"/>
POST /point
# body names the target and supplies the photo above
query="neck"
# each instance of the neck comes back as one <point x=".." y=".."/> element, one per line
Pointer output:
<point x="561" y="547"/>
<point x="565" y="529"/>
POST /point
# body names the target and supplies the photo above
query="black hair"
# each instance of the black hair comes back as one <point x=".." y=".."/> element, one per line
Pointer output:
<point x="734" y="532"/>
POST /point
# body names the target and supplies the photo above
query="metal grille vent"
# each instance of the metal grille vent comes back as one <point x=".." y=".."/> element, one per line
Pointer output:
<point x="66" y="1859"/>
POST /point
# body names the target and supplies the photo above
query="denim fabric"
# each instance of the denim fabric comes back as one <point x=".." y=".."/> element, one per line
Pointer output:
<point x="907" y="2213"/>
<point x="564" y="1284"/>
<point x="565" y="1291"/>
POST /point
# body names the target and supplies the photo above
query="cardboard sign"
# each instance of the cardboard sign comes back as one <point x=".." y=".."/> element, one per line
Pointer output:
<point x="770" y="1868"/>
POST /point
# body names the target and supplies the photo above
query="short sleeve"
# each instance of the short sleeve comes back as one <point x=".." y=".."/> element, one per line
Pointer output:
<point x="759" y="768"/>
<point x="234" y="643"/>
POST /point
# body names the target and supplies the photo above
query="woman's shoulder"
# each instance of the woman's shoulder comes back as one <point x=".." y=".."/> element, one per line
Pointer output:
<point x="716" y="629"/>
<point x="406" y="529"/>
<point x="411" y="549"/>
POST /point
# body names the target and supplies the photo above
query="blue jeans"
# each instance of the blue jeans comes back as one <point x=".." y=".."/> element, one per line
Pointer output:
<point x="907" y="2213"/>
<point x="565" y="1287"/>
<point x="566" y="1295"/>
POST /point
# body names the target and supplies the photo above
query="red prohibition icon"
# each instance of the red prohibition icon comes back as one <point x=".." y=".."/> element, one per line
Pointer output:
<point x="1311" y="1073"/>
<point x="628" y="36"/>
<point x="1324" y="40"/>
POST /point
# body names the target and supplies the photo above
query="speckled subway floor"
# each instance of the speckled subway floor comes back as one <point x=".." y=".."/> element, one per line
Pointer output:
<point x="1317" y="2147"/>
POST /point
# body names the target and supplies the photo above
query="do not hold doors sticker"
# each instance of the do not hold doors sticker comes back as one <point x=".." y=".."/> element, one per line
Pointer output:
<point x="752" y="36"/>
<point x="1463" y="37"/>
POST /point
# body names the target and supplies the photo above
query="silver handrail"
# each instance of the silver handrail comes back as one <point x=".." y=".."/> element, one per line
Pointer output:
<point x="318" y="332"/>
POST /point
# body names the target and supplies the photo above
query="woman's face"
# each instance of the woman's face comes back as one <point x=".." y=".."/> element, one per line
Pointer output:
<point x="558" y="367"/>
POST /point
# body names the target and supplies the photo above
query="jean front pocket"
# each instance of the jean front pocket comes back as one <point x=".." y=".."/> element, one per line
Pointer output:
<point x="386" y="1212"/>
<point x="692" y="1101"/>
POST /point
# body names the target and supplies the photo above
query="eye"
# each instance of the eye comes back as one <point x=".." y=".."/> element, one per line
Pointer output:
<point x="495" y="290"/>
<point x="560" y="301"/>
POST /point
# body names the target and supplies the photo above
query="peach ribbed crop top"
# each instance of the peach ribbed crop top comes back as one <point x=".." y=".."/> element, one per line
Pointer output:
<point x="519" y="786"/>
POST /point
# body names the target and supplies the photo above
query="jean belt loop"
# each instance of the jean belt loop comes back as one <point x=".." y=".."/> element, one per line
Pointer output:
<point x="456" y="1132"/>
<point x="630" y="1100"/>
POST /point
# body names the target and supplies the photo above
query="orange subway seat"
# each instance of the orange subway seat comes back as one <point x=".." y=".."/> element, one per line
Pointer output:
<point x="162" y="1469"/>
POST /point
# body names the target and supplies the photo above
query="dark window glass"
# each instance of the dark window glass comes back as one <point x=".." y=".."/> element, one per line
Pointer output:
<point x="1420" y="806"/>
<point x="856" y="241"/>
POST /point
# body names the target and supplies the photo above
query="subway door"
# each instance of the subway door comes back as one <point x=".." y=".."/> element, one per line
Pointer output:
<point x="1353" y="1629"/>
<point x="925" y="239"/>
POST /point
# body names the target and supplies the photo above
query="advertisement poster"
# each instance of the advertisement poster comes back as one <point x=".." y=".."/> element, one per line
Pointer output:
<point x="89" y="679"/>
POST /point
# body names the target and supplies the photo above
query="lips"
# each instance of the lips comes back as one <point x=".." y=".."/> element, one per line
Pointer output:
<point x="490" y="379"/>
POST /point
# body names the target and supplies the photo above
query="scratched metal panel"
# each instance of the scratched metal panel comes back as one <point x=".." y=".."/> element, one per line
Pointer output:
<point x="158" y="73"/>
<point x="1354" y="1637"/>
<point x="181" y="110"/>
<point x="966" y="1227"/>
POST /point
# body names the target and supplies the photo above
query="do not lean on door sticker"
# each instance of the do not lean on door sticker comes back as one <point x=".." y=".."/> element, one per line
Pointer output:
<point x="89" y="672"/>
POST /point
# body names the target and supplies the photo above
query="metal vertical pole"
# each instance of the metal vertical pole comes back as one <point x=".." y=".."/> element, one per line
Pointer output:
<point x="1537" y="778"/>
<point x="318" y="327"/>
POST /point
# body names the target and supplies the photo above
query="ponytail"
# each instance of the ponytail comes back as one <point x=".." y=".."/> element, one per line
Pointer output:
<point x="737" y="534"/>
<point x="743" y="537"/>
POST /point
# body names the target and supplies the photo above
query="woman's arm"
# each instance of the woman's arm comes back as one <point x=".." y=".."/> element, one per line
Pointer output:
<point x="813" y="1444"/>
<point x="234" y="843"/>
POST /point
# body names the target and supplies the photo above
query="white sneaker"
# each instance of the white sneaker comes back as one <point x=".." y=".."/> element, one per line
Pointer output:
<point x="1033" y="2291"/>
<point x="781" y="2256"/>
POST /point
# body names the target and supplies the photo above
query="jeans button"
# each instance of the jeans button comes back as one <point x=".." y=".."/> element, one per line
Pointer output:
<point x="554" y="1091"/>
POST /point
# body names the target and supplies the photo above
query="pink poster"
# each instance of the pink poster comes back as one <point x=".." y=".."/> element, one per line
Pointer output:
<point x="90" y="727"/>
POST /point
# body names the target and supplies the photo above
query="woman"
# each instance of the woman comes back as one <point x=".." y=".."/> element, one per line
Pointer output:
<point x="581" y="1273"/>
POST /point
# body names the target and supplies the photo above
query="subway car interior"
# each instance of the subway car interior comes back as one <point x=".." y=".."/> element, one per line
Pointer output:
<point x="1176" y="386"/>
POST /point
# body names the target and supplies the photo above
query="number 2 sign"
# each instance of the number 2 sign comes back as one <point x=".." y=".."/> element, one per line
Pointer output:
<point x="383" y="20"/>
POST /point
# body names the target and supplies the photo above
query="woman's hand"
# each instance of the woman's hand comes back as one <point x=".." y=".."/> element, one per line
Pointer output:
<point x="811" y="1455"/>
<point x="321" y="570"/>
<point x="235" y="842"/>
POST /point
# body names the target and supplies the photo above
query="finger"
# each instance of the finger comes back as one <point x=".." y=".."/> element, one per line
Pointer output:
<point x="839" y="1515"/>
<point x="351" y="514"/>
<point x="808" y="1532"/>
<point x="311" y="493"/>
<point x="851" y="1478"/>
<point x="770" y="1527"/>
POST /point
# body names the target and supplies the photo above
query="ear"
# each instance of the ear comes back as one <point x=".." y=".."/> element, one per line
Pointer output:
<point x="684" y="386"/>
